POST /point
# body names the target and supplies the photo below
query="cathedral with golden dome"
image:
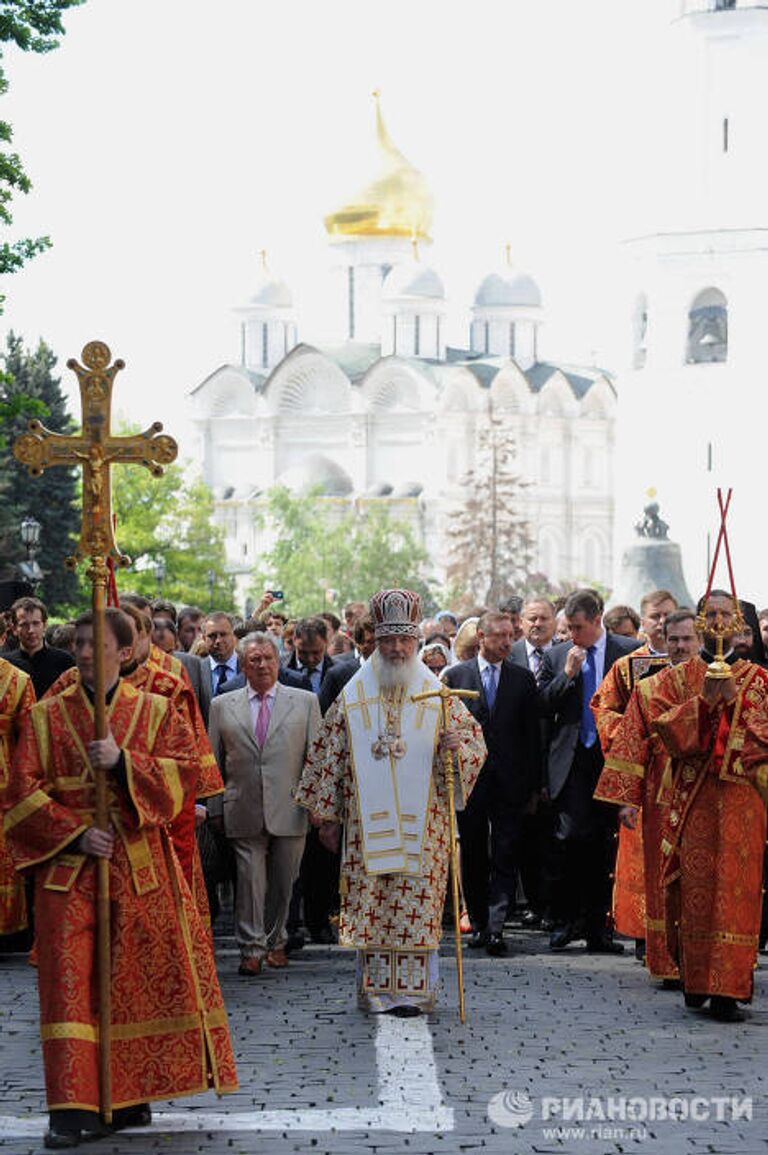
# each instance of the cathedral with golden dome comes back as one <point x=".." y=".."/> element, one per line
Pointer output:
<point x="393" y="413"/>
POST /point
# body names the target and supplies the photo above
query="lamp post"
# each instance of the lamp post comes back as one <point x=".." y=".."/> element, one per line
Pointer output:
<point x="29" y="531"/>
<point x="211" y="576"/>
<point x="160" y="575"/>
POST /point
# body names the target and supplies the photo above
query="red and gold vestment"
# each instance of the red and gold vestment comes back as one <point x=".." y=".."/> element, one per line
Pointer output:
<point x="169" y="1027"/>
<point x="712" y="823"/>
<point x="16" y="696"/>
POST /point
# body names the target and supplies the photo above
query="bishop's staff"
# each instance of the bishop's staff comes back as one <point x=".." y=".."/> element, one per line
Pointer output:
<point x="445" y="693"/>
<point x="96" y="449"/>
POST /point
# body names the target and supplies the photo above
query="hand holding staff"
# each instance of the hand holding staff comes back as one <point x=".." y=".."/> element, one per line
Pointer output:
<point x="445" y="693"/>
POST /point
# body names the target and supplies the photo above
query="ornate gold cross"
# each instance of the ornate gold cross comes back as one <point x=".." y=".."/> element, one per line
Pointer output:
<point x="96" y="449"/>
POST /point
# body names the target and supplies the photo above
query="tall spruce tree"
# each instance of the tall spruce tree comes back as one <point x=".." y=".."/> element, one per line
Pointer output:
<point x="489" y="539"/>
<point x="52" y="499"/>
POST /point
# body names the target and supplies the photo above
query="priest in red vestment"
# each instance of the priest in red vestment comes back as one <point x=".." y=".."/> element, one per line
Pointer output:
<point x="16" y="696"/>
<point x="170" y="1034"/>
<point x="713" y="829"/>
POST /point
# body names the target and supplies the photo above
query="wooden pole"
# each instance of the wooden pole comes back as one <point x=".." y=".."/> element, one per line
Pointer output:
<point x="98" y="573"/>
<point x="445" y="693"/>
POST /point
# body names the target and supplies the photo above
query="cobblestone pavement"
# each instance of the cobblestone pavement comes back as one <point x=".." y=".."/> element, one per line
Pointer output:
<point x="544" y="1026"/>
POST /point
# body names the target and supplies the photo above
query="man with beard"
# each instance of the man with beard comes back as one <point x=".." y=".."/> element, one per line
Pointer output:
<point x="376" y="766"/>
<point x="715" y="730"/>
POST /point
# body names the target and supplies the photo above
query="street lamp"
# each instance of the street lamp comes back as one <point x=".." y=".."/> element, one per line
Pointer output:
<point x="211" y="576"/>
<point x="29" y="531"/>
<point x="160" y="575"/>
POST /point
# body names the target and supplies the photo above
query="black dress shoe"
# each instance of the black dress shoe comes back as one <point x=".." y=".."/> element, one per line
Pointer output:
<point x="725" y="1010"/>
<point x="294" y="942"/>
<point x="671" y="985"/>
<point x="604" y="946"/>
<point x="56" y="1139"/>
<point x="495" y="946"/>
<point x="324" y="936"/>
<point x="694" y="1001"/>
<point x="407" y="1011"/>
<point x="477" y="939"/>
<point x="138" y="1116"/>
<point x="547" y="924"/>
<point x="560" y="937"/>
<point x="531" y="919"/>
<point x="59" y="1139"/>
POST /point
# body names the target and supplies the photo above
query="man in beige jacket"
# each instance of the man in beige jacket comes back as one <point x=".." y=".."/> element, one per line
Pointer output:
<point x="260" y="736"/>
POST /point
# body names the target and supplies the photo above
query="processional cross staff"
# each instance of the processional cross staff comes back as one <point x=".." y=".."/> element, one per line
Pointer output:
<point x="445" y="693"/>
<point x="96" y="448"/>
<point x="718" y="669"/>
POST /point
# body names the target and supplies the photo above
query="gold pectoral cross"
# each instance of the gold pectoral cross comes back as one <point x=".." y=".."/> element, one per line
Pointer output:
<point x="96" y="448"/>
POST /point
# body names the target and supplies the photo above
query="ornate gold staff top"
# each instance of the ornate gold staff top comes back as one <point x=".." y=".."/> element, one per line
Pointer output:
<point x="445" y="693"/>
<point x="96" y="449"/>
<point x="719" y="627"/>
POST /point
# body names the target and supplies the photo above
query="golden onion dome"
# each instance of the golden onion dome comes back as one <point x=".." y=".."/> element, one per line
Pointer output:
<point x="397" y="203"/>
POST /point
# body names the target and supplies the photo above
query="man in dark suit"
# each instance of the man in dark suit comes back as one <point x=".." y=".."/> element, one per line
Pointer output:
<point x="344" y="668"/>
<point x="318" y="883"/>
<point x="584" y="845"/>
<point x="310" y="651"/>
<point x="538" y="623"/>
<point x="507" y="711"/>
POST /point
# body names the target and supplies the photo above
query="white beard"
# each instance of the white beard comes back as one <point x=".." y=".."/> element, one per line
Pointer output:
<point x="391" y="674"/>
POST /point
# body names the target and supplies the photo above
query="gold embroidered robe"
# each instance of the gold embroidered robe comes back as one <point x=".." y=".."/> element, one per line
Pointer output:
<point x="169" y="1025"/>
<point x="390" y="916"/>
<point x="638" y="772"/>
<point x="713" y="829"/>
<point x="608" y="705"/>
<point x="16" y="696"/>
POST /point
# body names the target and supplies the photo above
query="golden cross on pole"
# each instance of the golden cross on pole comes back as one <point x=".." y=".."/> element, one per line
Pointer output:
<point x="96" y="449"/>
<point x="445" y="693"/>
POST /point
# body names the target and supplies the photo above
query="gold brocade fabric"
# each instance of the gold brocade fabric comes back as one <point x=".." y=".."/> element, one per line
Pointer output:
<point x="711" y="819"/>
<point x="608" y="706"/>
<point x="16" y="697"/>
<point x="169" y="1025"/>
<point x="386" y="911"/>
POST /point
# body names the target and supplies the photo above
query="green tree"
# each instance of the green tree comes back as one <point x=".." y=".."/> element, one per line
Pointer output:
<point x="169" y="520"/>
<point x="326" y="553"/>
<point x="52" y="499"/>
<point x="33" y="26"/>
<point x="490" y="547"/>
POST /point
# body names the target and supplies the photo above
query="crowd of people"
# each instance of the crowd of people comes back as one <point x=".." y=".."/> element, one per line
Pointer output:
<point x="610" y="779"/>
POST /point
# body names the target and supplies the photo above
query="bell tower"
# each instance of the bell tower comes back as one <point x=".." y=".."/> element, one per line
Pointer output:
<point x="694" y="302"/>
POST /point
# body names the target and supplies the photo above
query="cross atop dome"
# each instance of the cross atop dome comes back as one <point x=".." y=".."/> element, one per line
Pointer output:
<point x="396" y="203"/>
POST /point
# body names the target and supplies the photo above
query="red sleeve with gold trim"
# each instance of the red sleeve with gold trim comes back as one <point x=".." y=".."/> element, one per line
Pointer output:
<point x="621" y="780"/>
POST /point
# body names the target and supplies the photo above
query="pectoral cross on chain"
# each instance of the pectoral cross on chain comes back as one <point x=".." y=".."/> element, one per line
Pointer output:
<point x="96" y="448"/>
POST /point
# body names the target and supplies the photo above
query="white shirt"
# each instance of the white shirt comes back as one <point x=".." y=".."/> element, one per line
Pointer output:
<point x="254" y="701"/>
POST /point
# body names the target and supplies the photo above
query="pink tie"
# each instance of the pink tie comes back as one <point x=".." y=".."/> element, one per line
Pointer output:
<point x="262" y="722"/>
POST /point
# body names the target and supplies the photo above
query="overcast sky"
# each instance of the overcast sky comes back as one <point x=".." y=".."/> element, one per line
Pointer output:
<point x="170" y="140"/>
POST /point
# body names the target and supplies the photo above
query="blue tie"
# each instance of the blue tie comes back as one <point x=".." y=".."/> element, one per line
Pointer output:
<point x="489" y="685"/>
<point x="588" y="731"/>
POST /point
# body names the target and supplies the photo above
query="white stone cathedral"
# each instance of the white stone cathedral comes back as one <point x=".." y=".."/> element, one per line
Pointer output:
<point x="392" y="413"/>
<point x="693" y="403"/>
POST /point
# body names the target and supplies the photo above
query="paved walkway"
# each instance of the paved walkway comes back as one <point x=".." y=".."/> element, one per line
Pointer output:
<point x="549" y="1038"/>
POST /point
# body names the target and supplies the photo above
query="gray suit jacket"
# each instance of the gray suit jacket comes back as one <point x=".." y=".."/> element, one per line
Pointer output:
<point x="259" y="784"/>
